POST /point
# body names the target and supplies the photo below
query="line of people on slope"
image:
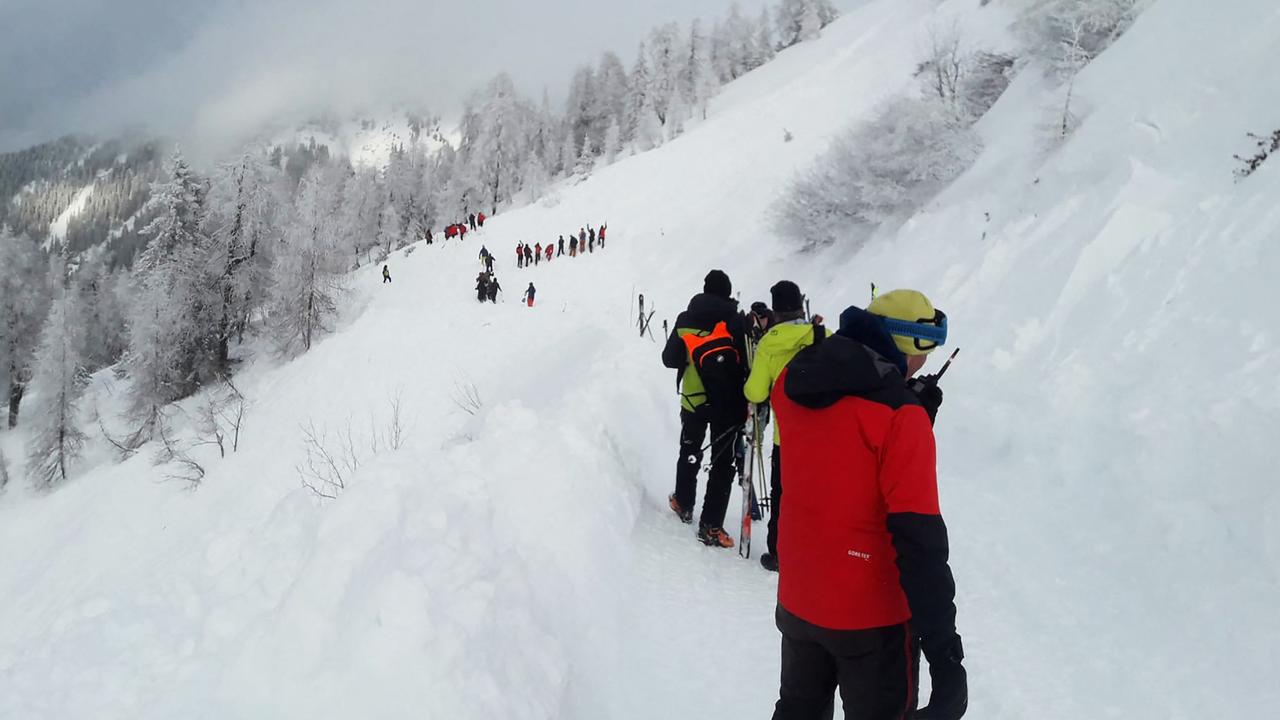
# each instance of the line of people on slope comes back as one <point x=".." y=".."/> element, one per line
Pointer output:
<point x="584" y="242"/>
<point x="861" y="549"/>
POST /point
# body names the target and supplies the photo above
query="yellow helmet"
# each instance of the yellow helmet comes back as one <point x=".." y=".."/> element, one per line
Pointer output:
<point x="917" y="327"/>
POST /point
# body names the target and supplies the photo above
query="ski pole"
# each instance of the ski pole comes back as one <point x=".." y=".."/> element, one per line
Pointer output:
<point x="946" y="365"/>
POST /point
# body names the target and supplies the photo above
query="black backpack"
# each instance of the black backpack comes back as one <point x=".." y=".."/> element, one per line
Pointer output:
<point x="722" y="370"/>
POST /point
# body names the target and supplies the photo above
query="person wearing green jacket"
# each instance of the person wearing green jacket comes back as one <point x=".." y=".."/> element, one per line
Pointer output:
<point x="789" y="334"/>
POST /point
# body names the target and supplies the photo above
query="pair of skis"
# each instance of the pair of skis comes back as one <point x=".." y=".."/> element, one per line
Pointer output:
<point x="751" y="454"/>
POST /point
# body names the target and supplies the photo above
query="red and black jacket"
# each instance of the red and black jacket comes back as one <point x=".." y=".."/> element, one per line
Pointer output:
<point x="861" y="544"/>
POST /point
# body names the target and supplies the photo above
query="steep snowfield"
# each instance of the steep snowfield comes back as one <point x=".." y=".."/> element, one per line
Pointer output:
<point x="58" y="228"/>
<point x="1101" y="448"/>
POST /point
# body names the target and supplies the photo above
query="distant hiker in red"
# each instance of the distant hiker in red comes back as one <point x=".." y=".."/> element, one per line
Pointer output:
<point x="864" y="582"/>
<point x="462" y="232"/>
<point x="549" y="250"/>
<point x="537" y="254"/>
<point x="528" y="294"/>
<point x="480" y="219"/>
<point x="602" y="229"/>
<point x="519" y="255"/>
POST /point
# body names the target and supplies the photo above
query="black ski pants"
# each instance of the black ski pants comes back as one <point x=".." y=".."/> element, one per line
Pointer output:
<point x="875" y="671"/>
<point x="693" y="434"/>
<point x="775" y="498"/>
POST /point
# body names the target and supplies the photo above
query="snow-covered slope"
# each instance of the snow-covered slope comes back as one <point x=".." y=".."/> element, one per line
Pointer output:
<point x="1101" y="447"/>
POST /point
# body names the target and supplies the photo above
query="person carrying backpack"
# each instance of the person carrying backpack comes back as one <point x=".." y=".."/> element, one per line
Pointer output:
<point x="482" y="287"/>
<point x="386" y="275"/>
<point x="573" y="246"/>
<point x="864" y="583"/>
<point x="787" y="334"/>
<point x="529" y="293"/>
<point x="708" y="349"/>
<point x="494" y="288"/>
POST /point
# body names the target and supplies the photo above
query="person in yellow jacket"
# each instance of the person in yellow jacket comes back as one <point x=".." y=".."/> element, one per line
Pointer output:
<point x="789" y="334"/>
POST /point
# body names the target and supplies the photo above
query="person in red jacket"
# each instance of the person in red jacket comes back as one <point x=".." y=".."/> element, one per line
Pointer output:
<point x="519" y="255"/>
<point x="865" y="584"/>
<point x="480" y="218"/>
<point x="537" y="254"/>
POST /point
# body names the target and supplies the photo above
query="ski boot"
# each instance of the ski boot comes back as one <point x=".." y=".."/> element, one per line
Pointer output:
<point x="686" y="516"/>
<point x="714" y="537"/>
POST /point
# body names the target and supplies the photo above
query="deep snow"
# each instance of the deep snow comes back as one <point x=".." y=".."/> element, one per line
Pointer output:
<point x="1102" y="463"/>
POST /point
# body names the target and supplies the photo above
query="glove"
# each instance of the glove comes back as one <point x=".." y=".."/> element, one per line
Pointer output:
<point x="930" y="395"/>
<point x="950" y="697"/>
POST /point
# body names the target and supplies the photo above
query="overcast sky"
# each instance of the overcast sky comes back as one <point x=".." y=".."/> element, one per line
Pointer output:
<point x="209" y="71"/>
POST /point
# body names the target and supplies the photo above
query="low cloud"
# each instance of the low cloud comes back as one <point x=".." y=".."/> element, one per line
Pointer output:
<point x="212" y="72"/>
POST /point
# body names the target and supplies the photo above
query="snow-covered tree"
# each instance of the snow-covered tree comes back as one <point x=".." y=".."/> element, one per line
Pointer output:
<point x="699" y="78"/>
<point x="358" y="217"/>
<point x="536" y="177"/>
<point x="584" y="110"/>
<point x="677" y="114"/>
<point x="800" y="20"/>
<point x="638" y="102"/>
<point x="568" y="154"/>
<point x="763" y="49"/>
<point x="24" y="302"/>
<point x="242" y="207"/>
<point x="878" y="170"/>
<point x="613" y="89"/>
<point x="59" y="381"/>
<point x="103" y="299"/>
<point x="390" y="230"/>
<point x="173" y="323"/>
<point x="309" y="267"/>
<point x="1071" y="33"/>
<point x="496" y="131"/>
<point x="612" y="141"/>
<point x="666" y="63"/>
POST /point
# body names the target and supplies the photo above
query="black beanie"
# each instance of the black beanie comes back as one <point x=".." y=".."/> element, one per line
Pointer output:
<point x="717" y="283"/>
<point x="786" y="297"/>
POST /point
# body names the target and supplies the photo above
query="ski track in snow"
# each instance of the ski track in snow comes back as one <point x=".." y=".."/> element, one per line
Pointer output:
<point x="1101" y="450"/>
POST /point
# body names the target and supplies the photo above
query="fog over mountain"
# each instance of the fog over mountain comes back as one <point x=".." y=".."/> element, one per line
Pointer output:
<point x="210" y="72"/>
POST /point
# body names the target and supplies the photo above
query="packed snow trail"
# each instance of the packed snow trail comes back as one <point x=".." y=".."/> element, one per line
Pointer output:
<point x="1102" y="446"/>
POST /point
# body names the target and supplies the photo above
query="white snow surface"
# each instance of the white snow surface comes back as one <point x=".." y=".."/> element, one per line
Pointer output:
<point x="58" y="228"/>
<point x="1103" y="446"/>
